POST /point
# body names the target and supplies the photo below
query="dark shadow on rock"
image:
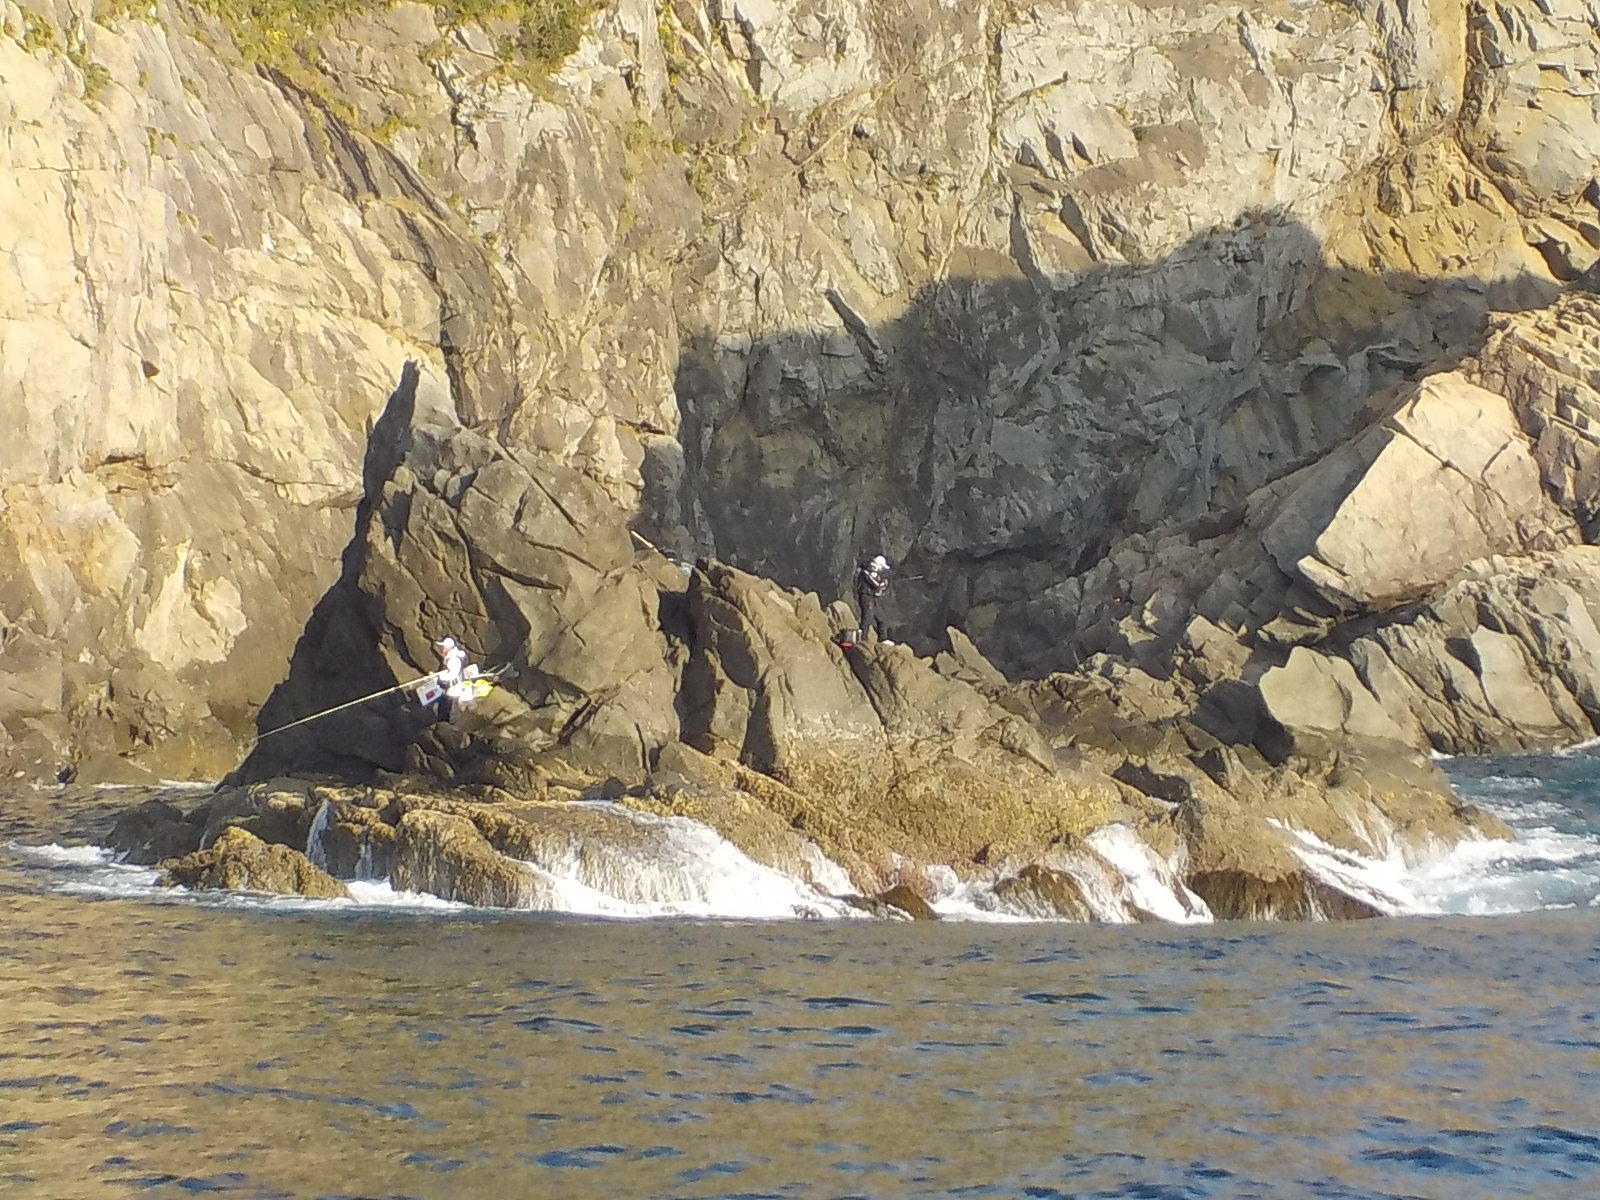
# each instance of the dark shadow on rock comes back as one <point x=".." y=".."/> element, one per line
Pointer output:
<point x="998" y="437"/>
<point x="336" y="659"/>
<point x="1002" y="435"/>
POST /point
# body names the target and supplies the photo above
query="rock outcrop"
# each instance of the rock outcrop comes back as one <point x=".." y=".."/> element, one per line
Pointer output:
<point x="240" y="861"/>
<point x="155" y="831"/>
<point x="639" y="699"/>
<point x="1428" y="583"/>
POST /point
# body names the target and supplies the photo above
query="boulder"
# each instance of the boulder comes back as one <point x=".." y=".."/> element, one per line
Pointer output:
<point x="1037" y="891"/>
<point x="874" y="907"/>
<point x="966" y="662"/>
<point x="1289" y="895"/>
<point x="277" y="811"/>
<point x="152" y="832"/>
<point x="1113" y="875"/>
<point x="1448" y="478"/>
<point x="903" y="897"/>
<point x="240" y="861"/>
<point x="1314" y="705"/>
<point x="445" y="855"/>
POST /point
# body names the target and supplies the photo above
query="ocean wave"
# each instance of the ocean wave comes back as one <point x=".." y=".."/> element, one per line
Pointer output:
<point x="1511" y="783"/>
<point x="1382" y="883"/>
<point x="53" y="854"/>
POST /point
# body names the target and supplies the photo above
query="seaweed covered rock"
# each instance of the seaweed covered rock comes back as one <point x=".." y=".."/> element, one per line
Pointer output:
<point x="899" y="903"/>
<point x="1042" y="893"/>
<point x="904" y="897"/>
<point x="240" y="861"/>
<point x="350" y="837"/>
<point x="446" y="855"/>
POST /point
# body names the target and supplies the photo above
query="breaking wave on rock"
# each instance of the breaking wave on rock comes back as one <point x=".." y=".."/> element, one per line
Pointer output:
<point x="94" y="871"/>
<point x="672" y="866"/>
<point x="1552" y="804"/>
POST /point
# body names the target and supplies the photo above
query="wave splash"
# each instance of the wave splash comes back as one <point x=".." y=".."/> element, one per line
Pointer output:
<point x="1551" y="802"/>
<point x="675" y="866"/>
<point x="1553" y="806"/>
<point x="94" y="871"/>
<point x="670" y="866"/>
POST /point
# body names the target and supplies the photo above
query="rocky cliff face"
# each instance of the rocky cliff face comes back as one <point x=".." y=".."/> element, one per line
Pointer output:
<point x="1154" y="338"/>
<point x="708" y="693"/>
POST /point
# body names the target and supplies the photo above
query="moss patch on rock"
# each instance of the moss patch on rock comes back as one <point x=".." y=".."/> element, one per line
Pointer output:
<point x="528" y="35"/>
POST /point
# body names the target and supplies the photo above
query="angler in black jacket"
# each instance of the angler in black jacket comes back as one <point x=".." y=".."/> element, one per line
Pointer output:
<point x="872" y="581"/>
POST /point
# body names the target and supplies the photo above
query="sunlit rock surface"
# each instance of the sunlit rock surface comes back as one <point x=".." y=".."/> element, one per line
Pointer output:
<point x="995" y="287"/>
<point x="239" y="861"/>
<point x="1225" y="380"/>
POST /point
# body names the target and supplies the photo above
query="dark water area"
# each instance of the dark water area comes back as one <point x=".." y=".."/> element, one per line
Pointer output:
<point x="161" y="1047"/>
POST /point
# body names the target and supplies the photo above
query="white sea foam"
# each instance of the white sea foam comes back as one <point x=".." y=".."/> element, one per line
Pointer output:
<point x="90" y="870"/>
<point x="1511" y="783"/>
<point x="55" y="855"/>
<point x="1115" y="875"/>
<point x="1528" y="812"/>
<point x="679" y="867"/>
<point x="1577" y="747"/>
<point x="970" y="900"/>
<point x="1553" y="862"/>
<point x="378" y="894"/>
<point x="673" y="866"/>
<point x="976" y="901"/>
<point x="1384" y="883"/>
<point x="1543" y="868"/>
<point x="1151" y="884"/>
<point x="635" y="865"/>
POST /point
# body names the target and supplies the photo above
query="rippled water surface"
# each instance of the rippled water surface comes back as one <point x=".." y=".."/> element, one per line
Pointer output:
<point x="163" y="1049"/>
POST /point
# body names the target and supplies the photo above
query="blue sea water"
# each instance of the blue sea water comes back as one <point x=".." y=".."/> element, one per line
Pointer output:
<point x="1552" y="801"/>
<point x="157" y="1046"/>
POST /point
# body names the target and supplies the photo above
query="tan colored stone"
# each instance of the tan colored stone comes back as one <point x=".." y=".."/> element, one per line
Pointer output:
<point x="240" y="861"/>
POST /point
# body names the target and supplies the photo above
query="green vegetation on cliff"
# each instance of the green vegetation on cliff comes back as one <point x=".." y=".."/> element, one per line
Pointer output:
<point x="531" y="35"/>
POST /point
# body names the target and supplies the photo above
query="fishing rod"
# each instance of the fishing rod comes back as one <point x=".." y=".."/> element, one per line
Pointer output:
<point x="399" y="687"/>
<point x="490" y="675"/>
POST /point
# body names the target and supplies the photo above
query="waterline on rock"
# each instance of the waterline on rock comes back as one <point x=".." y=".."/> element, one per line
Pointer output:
<point x="619" y="863"/>
<point x="1578" y="747"/>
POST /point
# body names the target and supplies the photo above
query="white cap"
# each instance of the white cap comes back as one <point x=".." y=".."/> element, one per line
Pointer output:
<point x="448" y="643"/>
<point x="881" y="562"/>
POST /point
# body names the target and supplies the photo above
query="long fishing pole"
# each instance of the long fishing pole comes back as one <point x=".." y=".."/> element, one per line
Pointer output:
<point x="399" y="687"/>
<point x="491" y="675"/>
